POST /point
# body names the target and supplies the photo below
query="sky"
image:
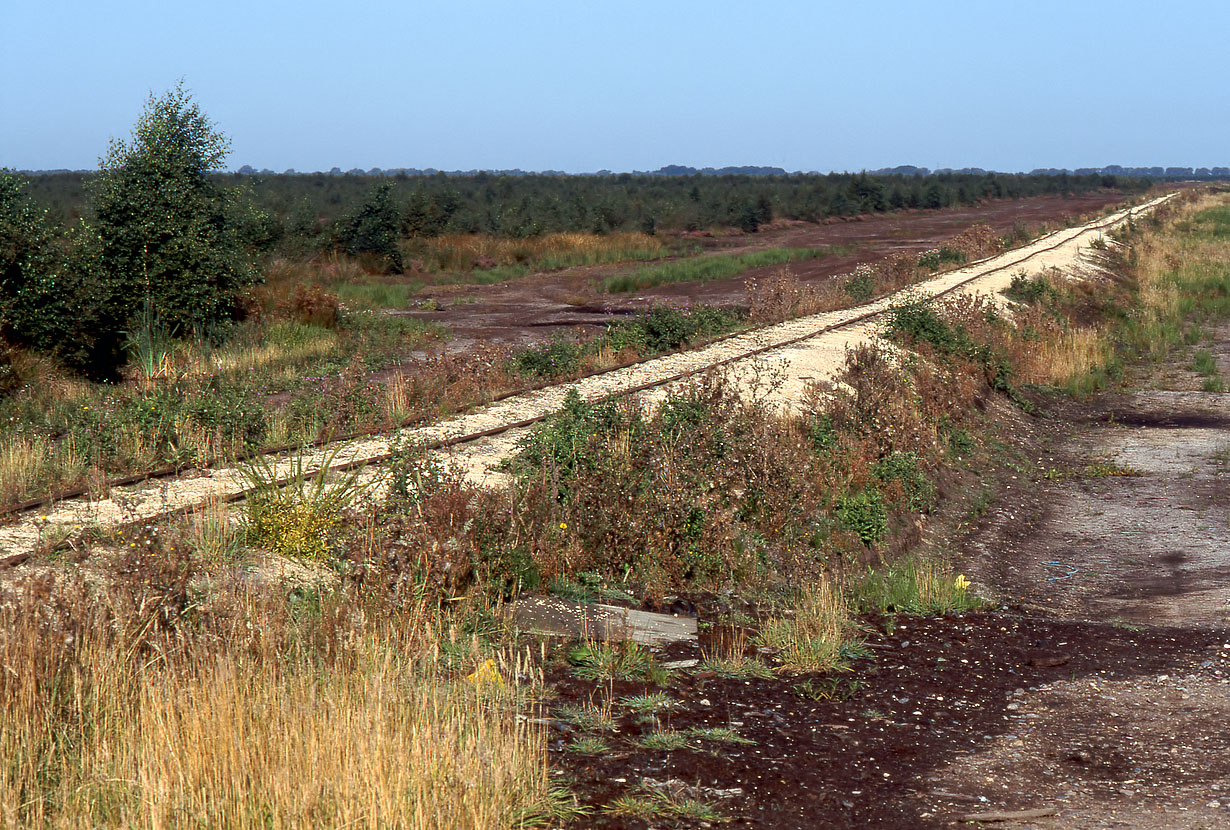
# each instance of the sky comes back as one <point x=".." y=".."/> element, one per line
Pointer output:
<point x="582" y="86"/>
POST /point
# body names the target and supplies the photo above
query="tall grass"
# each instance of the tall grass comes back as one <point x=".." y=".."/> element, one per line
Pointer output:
<point x="1181" y="279"/>
<point x="707" y="268"/>
<point x="467" y="252"/>
<point x="116" y="713"/>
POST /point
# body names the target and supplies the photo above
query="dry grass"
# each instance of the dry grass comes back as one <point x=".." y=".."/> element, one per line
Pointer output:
<point x="782" y="296"/>
<point x="464" y="252"/>
<point x="812" y="638"/>
<point x="1059" y="358"/>
<point x="114" y="713"/>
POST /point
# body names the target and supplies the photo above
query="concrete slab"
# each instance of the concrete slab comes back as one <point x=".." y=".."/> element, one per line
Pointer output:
<point x="551" y="616"/>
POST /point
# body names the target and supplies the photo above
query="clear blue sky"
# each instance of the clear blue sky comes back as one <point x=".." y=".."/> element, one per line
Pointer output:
<point x="581" y="86"/>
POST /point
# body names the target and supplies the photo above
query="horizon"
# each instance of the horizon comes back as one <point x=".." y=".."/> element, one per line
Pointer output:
<point x="1153" y="171"/>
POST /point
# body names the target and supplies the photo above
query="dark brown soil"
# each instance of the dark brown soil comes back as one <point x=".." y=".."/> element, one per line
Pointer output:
<point x="533" y="307"/>
<point x="935" y="689"/>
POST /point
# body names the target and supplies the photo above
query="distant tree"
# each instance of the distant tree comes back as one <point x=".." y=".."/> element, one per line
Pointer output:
<point x="170" y="239"/>
<point x="374" y="228"/>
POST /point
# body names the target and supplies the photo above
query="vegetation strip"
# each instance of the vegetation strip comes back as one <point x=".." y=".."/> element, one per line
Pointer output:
<point x="470" y="437"/>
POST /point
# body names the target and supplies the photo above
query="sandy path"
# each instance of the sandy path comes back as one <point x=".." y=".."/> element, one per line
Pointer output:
<point x="797" y="364"/>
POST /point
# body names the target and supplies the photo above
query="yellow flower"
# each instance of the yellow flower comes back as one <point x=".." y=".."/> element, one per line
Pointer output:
<point x="961" y="583"/>
<point x="487" y="673"/>
<point x="563" y="525"/>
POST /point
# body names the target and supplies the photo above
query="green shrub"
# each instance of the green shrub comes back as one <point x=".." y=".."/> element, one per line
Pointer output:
<point x="1025" y="290"/>
<point x="564" y="443"/>
<point x="933" y="259"/>
<point x="414" y="473"/>
<point x="558" y="356"/>
<point x="863" y="512"/>
<point x="861" y="284"/>
<point x="905" y="468"/>
<point x="374" y="228"/>
<point x="46" y="303"/>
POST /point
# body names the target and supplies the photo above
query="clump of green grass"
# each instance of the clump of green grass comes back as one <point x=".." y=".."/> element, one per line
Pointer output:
<point x="706" y="268"/>
<point x="588" y="718"/>
<point x="816" y="637"/>
<point x="588" y="745"/>
<point x="663" y="740"/>
<point x="649" y="703"/>
<point x="735" y="667"/>
<point x="915" y="585"/>
<point x="717" y="734"/>
<point x="650" y="803"/>
<point x="827" y="688"/>
<point x="616" y="661"/>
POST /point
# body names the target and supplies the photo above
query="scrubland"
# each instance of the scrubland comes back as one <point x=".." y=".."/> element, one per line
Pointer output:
<point x="157" y="678"/>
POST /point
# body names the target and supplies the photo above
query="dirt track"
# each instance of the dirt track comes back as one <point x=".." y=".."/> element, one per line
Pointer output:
<point x="798" y="364"/>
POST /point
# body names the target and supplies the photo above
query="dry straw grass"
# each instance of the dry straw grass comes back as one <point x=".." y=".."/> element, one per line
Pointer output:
<point x="462" y="252"/>
<point x="112" y="716"/>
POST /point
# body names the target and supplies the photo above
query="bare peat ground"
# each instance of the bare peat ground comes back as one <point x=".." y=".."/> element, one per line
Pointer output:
<point x="1098" y="691"/>
<point x="535" y="306"/>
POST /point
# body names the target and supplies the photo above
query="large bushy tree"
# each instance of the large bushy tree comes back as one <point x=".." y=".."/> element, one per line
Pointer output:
<point x="169" y="237"/>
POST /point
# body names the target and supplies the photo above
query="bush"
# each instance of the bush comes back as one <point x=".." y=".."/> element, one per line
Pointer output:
<point x="374" y="229"/>
<point x="934" y="258"/>
<point x="563" y="442"/>
<point x="302" y="518"/>
<point x="558" y="355"/>
<point x="904" y="468"/>
<point x="861" y="284"/>
<point x="863" y="513"/>
<point x="1025" y="290"/>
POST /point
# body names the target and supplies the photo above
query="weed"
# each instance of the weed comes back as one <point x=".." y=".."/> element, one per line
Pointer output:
<point x="415" y="474"/>
<point x="649" y="703"/>
<point x="1027" y="290"/>
<point x="717" y="734"/>
<point x="616" y="661"/>
<point x="864" y="513"/>
<point x="663" y="740"/>
<point x="294" y="510"/>
<point x="815" y="636"/>
<point x="735" y="667"/>
<point x="661" y="803"/>
<point x="936" y="258"/>
<point x="861" y="284"/>
<point x="588" y="745"/>
<point x="914" y="586"/>
<point x="588" y="718"/>
<point x="1204" y="362"/>
<point x="827" y="688"/>
<point x="212" y="535"/>
<point x="903" y="468"/>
